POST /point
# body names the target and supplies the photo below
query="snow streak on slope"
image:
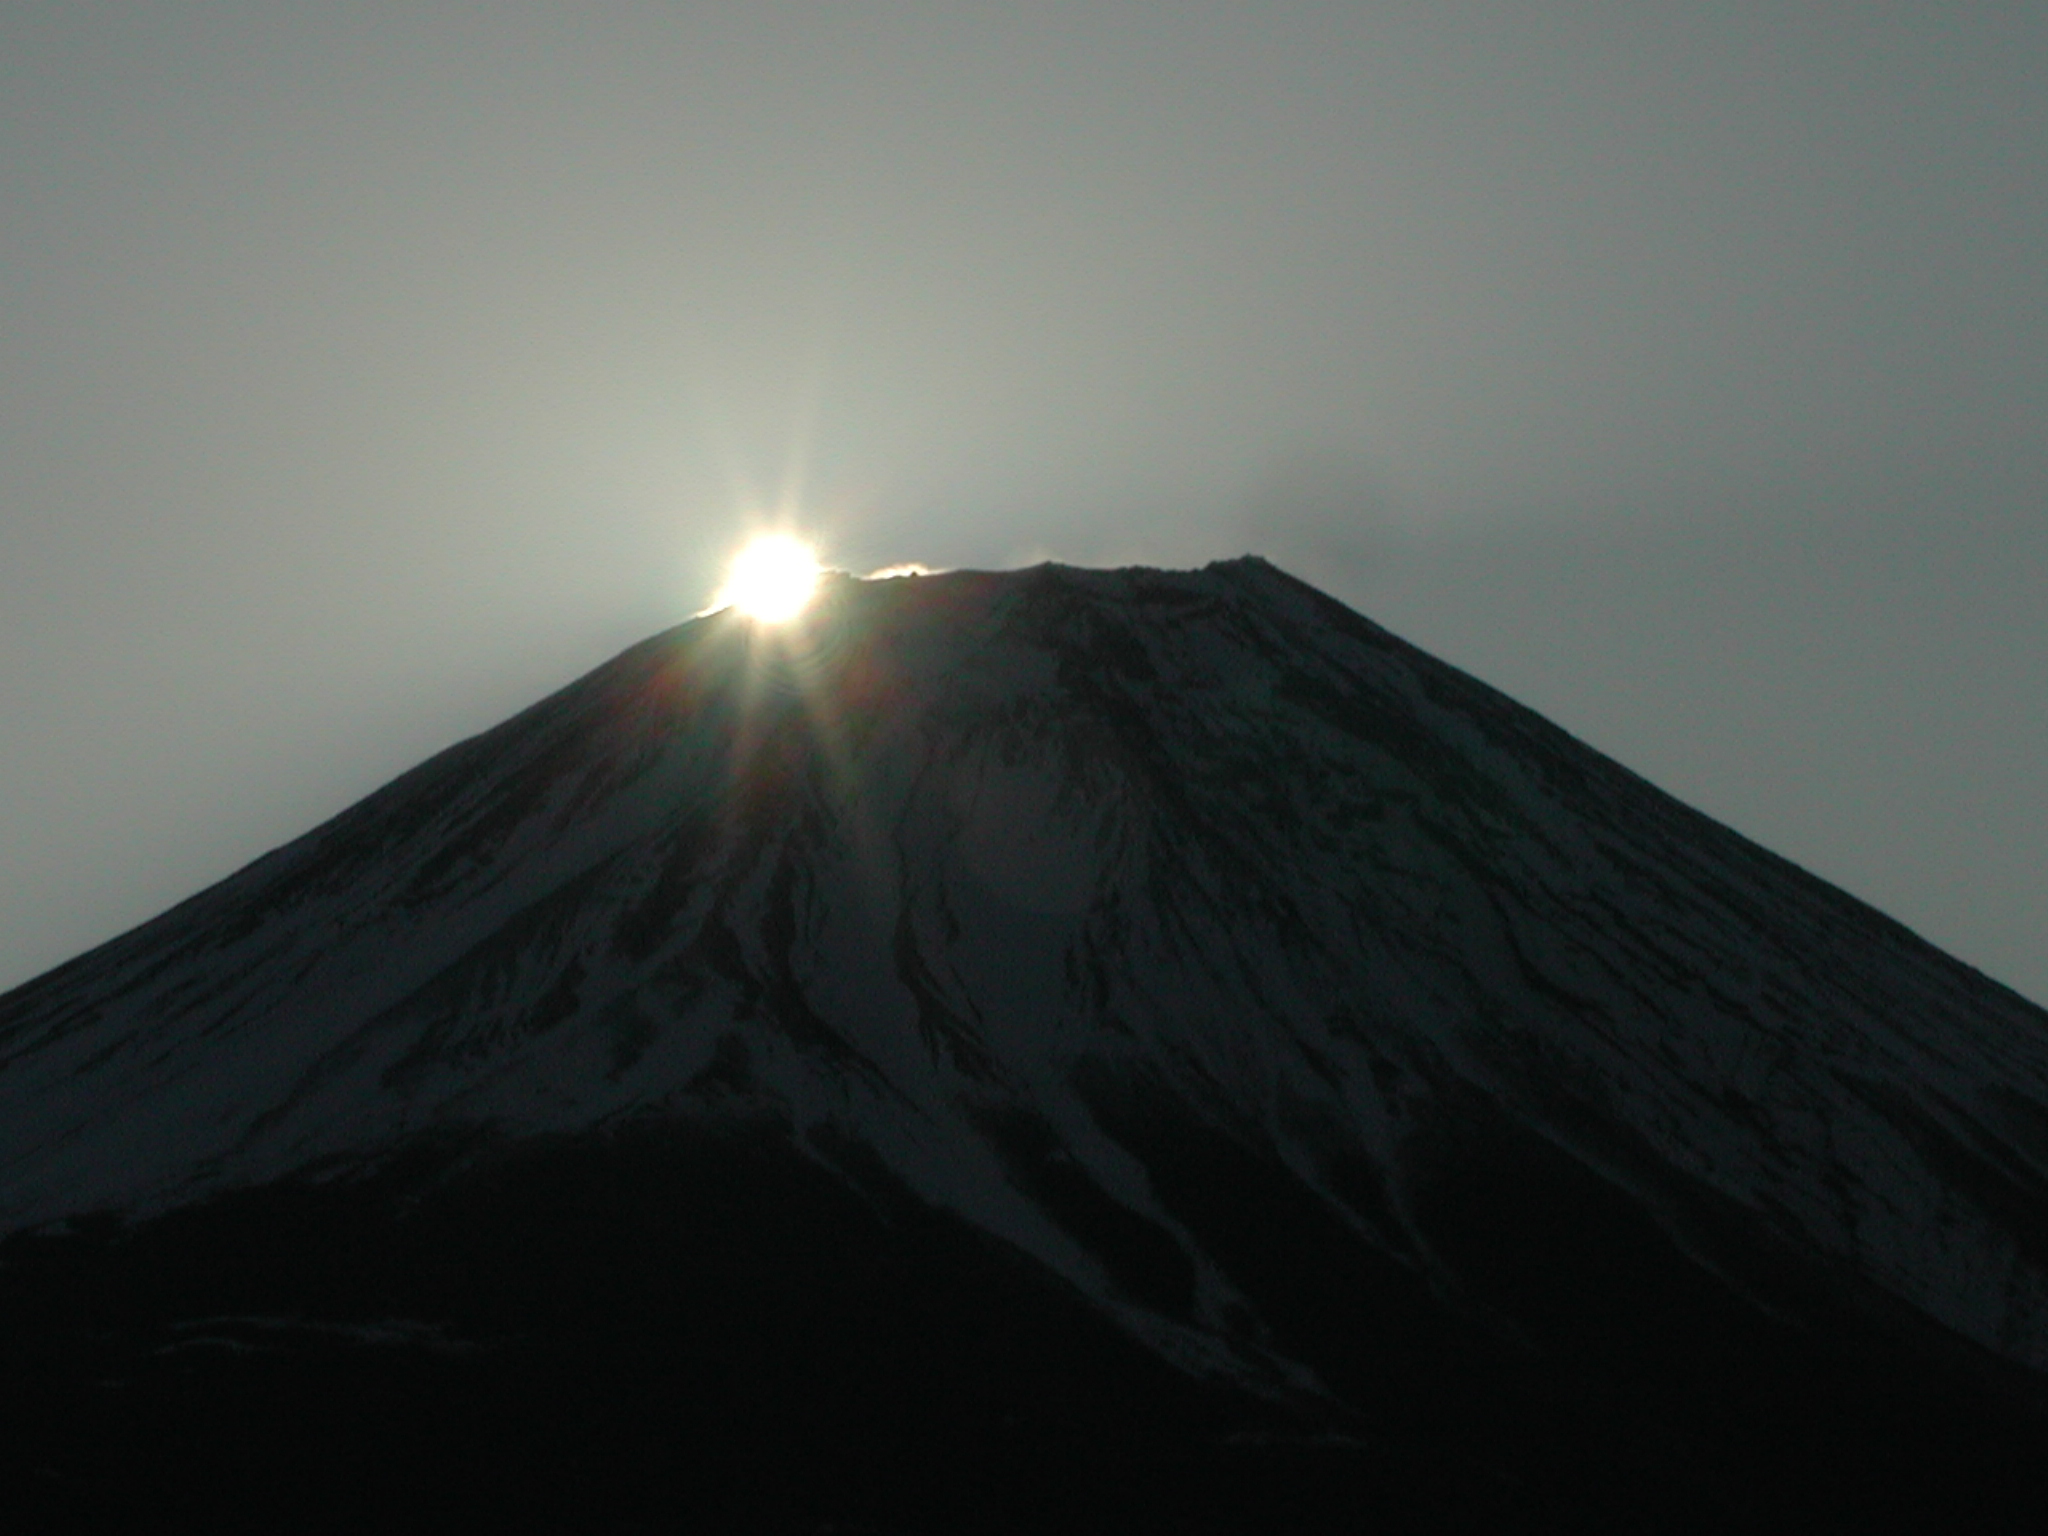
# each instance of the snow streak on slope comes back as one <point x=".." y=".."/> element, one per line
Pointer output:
<point x="977" y="872"/>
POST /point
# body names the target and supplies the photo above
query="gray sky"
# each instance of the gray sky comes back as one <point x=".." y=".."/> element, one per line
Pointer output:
<point x="367" y="370"/>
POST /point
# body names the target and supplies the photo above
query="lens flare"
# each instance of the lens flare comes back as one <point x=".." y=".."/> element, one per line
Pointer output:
<point x="772" y="578"/>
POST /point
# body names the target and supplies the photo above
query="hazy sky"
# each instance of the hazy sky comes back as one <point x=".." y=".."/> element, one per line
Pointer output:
<point x="367" y="370"/>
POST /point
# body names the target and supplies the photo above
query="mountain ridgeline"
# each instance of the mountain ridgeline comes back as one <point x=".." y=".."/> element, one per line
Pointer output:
<point x="1059" y="1049"/>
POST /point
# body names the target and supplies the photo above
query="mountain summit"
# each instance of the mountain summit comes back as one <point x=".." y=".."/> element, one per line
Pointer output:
<point x="1133" y="1047"/>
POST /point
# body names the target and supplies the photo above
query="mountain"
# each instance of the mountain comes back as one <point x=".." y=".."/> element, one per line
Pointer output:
<point x="1060" y="1049"/>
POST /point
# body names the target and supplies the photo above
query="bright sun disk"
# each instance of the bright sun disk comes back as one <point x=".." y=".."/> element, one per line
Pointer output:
<point x="772" y="578"/>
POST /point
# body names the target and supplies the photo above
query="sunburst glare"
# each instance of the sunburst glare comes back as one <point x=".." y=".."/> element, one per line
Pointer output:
<point x="772" y="578"/>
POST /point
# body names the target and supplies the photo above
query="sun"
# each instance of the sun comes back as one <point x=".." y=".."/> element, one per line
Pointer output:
<point x="772" y="578"/>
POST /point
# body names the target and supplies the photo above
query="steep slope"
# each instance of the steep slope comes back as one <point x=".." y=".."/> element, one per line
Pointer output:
<point x="1321" y="1025"/>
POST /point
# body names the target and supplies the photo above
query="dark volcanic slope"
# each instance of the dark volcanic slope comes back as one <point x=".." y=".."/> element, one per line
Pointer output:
<point x="1150" y="1029"/>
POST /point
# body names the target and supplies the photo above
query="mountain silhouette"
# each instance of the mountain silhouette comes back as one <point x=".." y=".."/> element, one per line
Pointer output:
<point x="1081" y="1050"/>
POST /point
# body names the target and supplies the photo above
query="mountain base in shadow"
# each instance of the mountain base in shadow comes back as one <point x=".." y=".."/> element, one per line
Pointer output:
<point x="668" y="1330"/>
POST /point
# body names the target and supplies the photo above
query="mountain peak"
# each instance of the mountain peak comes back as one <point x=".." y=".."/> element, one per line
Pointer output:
<point x="1150" y="925"/>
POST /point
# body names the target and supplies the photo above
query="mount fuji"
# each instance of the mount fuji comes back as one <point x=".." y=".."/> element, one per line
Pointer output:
<point x="1061" y="1049"/>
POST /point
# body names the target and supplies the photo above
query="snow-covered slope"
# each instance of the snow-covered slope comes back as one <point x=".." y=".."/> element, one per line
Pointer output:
<point x="1017" y="884"/>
